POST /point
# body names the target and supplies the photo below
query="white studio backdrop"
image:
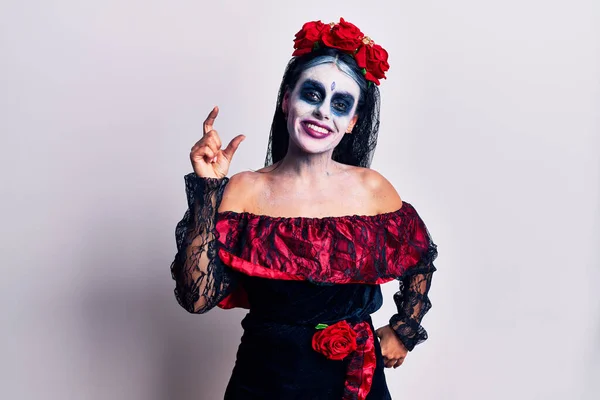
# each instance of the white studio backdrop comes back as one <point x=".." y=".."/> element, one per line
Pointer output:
<point x="489" y="126"/>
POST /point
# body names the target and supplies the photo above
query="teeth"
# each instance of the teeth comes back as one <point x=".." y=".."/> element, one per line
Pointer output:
<point x="317" y="128"/>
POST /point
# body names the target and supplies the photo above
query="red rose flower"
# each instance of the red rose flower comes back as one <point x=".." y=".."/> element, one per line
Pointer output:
<point x="377" y="61"/>
<point x="310" y="33"/>
<point x="373" y="58"/>
<point x="361" y="57"/>
<point x="336" y="341"/>
<point x="344" y="36"/>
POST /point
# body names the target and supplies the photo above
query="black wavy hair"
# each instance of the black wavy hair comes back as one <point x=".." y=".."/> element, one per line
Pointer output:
<point x="354" y="149"/>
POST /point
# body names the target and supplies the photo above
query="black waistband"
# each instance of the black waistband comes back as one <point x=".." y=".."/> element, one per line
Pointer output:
<point x="254" y="317"/>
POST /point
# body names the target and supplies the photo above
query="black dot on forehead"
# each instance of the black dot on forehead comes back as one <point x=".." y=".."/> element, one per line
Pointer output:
<point x="332" y="85"/>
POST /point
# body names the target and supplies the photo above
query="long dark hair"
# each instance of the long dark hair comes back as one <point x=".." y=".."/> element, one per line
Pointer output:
<point x="354" y="149"/>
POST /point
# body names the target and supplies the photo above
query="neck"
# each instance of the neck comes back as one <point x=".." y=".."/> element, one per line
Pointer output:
<point x="307" y="167"/>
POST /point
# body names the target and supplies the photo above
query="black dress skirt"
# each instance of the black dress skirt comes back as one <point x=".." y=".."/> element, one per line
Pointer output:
<point x="275" y="359"/>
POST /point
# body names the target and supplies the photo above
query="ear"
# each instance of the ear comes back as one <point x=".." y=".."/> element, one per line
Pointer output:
<point x="352" y="123"/>
<point x="284" y="103"/>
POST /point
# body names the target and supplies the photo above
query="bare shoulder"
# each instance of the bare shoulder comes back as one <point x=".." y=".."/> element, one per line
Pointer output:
<point x="381" y="191"/>
<point x="241" y="187"/>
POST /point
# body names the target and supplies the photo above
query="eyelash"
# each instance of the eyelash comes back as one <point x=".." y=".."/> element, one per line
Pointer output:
<point x="343" y="107"/>
<point x="312" y="95"/>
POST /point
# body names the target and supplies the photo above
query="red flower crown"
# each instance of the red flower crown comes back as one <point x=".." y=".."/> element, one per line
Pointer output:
<point x="370" y="57"/>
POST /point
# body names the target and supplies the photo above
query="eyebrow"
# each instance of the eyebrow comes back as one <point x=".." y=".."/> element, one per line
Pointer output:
<point x="314" y="84"/>
<point x="345" y="96"/>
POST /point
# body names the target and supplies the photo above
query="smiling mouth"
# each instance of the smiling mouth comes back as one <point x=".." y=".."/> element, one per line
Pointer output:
<point x="315" y="130"/>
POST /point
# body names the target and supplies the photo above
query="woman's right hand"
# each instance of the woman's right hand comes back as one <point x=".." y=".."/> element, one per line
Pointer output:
<point x="207" y="158"/>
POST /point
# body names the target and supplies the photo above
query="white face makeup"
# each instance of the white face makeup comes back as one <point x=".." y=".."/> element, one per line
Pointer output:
<point x="321" y="107"/>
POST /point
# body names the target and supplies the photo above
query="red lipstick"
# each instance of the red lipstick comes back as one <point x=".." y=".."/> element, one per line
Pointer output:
<point x="315" y="129"/>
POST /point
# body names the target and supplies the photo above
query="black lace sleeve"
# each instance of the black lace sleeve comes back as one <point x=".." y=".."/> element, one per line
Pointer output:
<point x="201" y="280"/>
<point x="413" y="303"/>
<point x="412" y="299"/>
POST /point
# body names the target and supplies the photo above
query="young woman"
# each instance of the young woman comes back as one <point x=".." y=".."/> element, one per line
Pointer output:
<point x="305" y="242"/>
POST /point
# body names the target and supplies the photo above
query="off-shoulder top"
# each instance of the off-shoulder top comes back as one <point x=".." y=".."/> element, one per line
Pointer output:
<point x="216" y="249"/>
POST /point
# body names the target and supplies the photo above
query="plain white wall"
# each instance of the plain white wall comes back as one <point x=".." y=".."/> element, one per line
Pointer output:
<point x="489" y="126"/>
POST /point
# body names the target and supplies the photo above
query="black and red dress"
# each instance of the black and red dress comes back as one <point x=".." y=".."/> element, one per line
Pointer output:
<point x="310" y="285"/>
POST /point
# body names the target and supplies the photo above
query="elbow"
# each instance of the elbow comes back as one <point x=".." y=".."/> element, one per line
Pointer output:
<point x="195" y="308"/>
<point x="199" y="308"/>
<point x="192" y="304"/>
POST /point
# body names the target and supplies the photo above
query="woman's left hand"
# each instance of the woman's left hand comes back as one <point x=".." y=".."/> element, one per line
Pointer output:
<point x="392" y="348"/>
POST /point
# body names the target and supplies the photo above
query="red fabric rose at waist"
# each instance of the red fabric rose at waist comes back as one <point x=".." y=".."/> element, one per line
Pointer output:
<point x="356" y="344"/>
<point x="336" y="341"/>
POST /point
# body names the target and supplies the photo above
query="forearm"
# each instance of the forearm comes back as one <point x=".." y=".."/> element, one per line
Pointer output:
<point x="413" y="303"/>
<point x="200" y="278"/>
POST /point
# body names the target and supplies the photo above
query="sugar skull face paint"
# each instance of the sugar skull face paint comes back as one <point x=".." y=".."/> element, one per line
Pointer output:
<point x="321" y="108"/>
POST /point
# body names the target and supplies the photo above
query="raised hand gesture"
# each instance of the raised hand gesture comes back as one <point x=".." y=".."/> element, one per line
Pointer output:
<point x="207" y="158"/>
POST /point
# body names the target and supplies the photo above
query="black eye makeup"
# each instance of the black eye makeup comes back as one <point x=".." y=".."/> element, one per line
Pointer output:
<point x="342" y="103"/>
<point x="313" y="92"/>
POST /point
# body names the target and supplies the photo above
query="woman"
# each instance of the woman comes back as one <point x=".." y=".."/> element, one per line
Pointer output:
<point x="305" y="242"/>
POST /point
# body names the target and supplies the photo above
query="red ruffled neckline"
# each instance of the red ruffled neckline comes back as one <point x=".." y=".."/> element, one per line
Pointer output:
<point x="370" y="249"/>
<point x="375" y="217"/>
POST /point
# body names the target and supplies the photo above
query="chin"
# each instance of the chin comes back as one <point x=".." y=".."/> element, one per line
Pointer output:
<point x="316" y="146"/>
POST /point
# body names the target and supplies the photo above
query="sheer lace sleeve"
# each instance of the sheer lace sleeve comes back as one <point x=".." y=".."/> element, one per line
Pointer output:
<point x="413" y="303"/>
<point x="412" y="299"/>
<point x="201" y="280"/>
